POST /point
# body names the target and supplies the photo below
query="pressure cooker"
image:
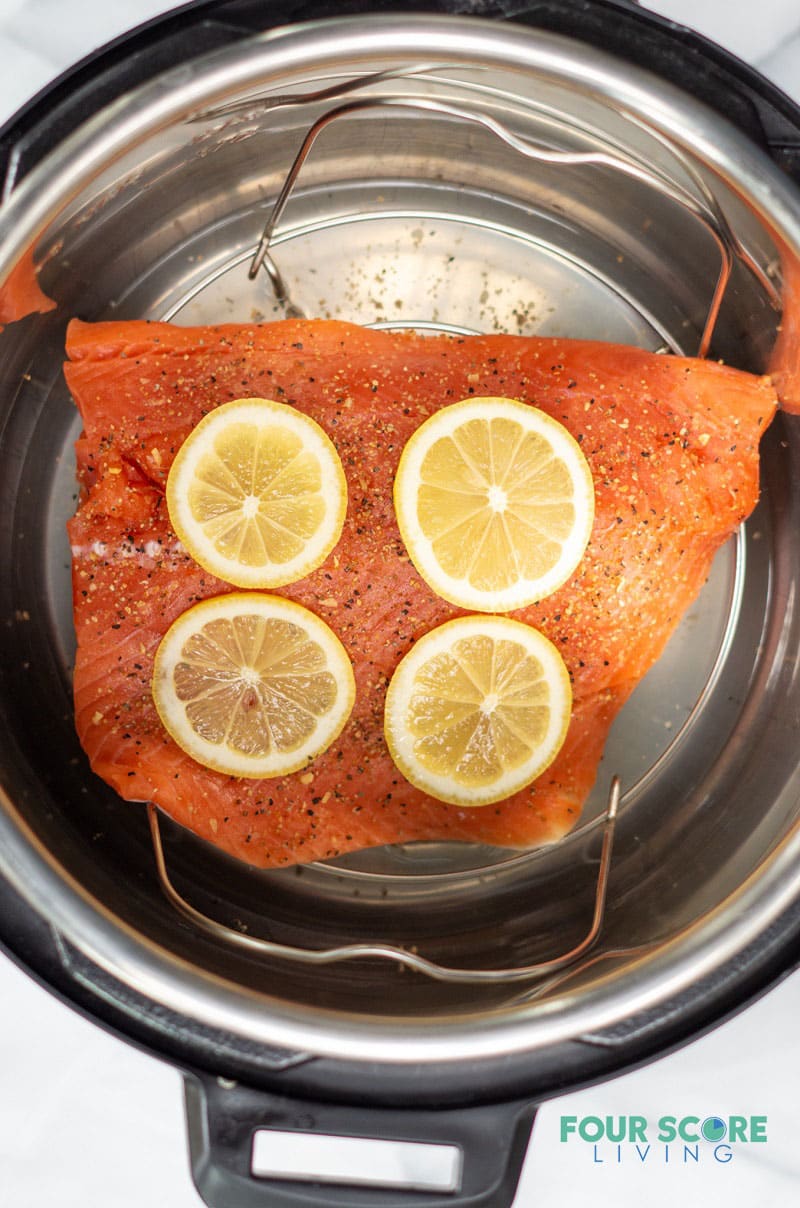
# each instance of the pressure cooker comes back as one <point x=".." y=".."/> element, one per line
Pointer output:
<point x="566" y="167"/>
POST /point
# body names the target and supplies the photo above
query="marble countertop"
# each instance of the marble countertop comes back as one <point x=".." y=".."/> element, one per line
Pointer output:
<point x="87" y="1121"/>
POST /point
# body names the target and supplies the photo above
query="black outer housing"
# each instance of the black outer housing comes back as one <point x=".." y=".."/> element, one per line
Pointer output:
<point x="487" y="1106"/>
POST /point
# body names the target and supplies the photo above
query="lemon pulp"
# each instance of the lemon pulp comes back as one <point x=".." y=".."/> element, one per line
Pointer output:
<point x="251" y="684"/>
<point x="477" y="709"/>
<point x="257" y="493"/>
<point x="495" y="503"/>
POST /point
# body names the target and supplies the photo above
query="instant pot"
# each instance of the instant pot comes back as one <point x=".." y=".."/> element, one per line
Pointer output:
<point x="570" y="168"/>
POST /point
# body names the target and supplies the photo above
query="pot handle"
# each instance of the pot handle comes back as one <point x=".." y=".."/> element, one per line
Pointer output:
<point x="473" y="1154"/>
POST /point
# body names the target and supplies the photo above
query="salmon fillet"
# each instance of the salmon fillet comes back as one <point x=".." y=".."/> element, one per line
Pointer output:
<point x="673" y="448"/>
<point x="21" y="294"/>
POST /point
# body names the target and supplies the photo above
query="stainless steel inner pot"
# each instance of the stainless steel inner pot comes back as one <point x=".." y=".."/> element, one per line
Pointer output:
<point x="410" y="218"/>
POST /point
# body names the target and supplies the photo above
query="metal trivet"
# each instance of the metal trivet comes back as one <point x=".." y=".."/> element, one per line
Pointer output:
<point x="401" y="956"/>
<point x="705" y="207"/>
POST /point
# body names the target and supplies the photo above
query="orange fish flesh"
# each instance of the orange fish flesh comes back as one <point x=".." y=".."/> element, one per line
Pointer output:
<point x="673" y="447"/>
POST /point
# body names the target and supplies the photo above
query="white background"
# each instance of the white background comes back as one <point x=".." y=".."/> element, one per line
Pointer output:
<point x="88" y="1122"/>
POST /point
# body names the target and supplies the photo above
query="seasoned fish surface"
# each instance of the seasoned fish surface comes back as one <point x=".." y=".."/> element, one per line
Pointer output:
<point x="673" y="448"/>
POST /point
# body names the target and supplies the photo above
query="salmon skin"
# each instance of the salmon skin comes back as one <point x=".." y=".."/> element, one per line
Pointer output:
<point x="673" y="447"/>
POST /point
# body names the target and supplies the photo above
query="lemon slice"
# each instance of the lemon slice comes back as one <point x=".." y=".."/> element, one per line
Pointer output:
<point x="477" y="709"/>
<point x="252" y="685"/>
<point x="257" y="493"/>
<point x="495" y="503"/>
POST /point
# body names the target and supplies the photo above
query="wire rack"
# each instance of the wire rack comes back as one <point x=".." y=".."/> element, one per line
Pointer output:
<point x="704" y="208"/>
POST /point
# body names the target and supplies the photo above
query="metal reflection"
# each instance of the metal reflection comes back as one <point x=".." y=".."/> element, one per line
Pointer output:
<point x="400" y="956"/>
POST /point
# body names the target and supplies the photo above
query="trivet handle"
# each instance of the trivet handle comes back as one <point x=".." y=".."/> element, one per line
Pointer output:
<point x="479" y="1154"/>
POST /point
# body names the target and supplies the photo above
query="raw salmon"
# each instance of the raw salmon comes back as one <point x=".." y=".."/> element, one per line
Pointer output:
<point x="21" y="294"/>
<point x="673" y="447"/>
